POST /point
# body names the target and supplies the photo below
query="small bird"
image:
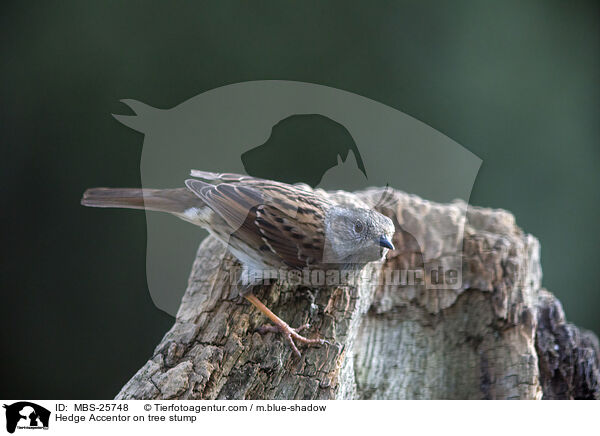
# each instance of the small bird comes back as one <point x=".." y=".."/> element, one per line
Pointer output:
<point x="266" y="225"/>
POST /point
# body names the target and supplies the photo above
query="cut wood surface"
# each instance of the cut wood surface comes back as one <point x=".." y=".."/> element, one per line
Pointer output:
<point x="499" y="335"/>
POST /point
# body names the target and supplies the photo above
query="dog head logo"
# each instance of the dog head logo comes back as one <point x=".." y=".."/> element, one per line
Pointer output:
<point x="26" y="415"/>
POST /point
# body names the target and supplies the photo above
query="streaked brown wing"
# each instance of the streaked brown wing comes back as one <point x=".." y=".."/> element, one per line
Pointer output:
<point x="232" y="201"/>
<point x="278" y="219"/>
<point x="297" y="240"/>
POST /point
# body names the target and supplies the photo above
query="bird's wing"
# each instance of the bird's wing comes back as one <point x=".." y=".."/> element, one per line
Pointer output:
<point x="232" y="202"/>
<point x="281" y="220"/>
<point x="297" y="240"/>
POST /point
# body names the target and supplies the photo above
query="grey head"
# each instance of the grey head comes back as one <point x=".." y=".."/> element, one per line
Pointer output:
<point x="356" y="236"/>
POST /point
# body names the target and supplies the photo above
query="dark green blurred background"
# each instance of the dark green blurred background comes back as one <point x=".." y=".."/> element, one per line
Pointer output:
<point x="514" y="82"/>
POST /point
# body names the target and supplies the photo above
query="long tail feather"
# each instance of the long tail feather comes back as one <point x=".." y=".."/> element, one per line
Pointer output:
<point x="162" y="200"/>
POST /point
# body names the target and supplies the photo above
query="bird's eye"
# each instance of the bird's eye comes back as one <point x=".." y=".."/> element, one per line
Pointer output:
<point x="358" y="227"/>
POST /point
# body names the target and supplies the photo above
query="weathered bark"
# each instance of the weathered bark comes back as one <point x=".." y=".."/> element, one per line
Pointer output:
<point x="499" y="335"/>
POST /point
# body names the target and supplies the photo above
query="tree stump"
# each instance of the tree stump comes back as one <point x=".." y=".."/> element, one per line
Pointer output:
<point x="498" y="336"/>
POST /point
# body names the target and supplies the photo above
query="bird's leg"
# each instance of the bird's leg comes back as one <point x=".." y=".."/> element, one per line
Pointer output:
<point x="281" y="326"/>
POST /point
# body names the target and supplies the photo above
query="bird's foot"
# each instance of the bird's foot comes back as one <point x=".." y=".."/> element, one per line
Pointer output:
<point x="292" y="334"/>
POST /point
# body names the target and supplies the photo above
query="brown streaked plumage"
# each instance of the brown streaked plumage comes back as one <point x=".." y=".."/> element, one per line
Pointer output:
<point x="285" y="222"/>
<point x="266" y="224"/>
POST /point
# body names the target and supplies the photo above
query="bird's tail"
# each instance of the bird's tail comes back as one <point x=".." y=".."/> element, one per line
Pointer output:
<point x="162" y="200"/>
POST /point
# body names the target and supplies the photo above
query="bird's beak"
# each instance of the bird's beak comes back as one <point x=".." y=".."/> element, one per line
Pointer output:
<point x="385" y="242"/>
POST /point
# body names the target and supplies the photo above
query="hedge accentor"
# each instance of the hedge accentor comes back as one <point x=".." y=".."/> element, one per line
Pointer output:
<point x="266" y="225"/>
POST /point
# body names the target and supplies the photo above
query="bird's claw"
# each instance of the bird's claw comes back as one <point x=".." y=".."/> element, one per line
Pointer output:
<point x="292" y="334"/>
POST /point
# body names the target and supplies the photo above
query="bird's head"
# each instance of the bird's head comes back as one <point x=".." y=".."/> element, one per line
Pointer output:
<point x="356" y="235"/>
